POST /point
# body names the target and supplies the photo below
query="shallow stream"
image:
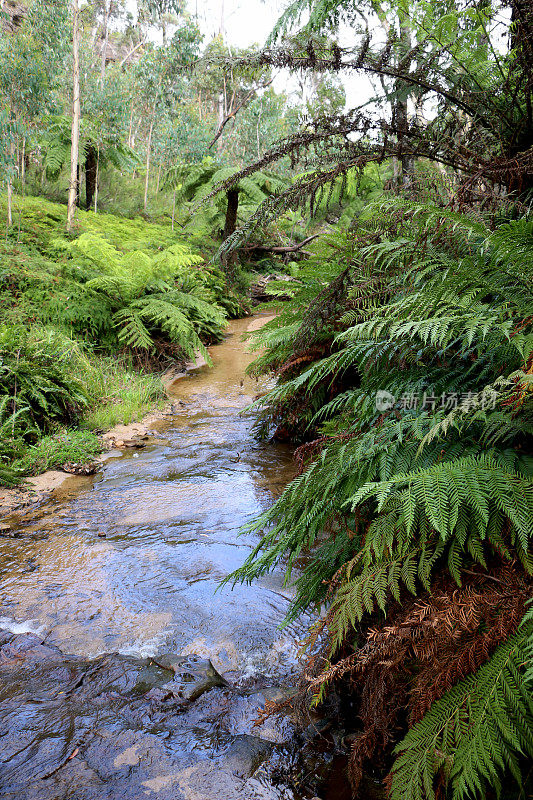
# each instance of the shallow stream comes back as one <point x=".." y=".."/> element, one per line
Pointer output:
<point x="170" y="514"/>
<point x="130" y="564"/>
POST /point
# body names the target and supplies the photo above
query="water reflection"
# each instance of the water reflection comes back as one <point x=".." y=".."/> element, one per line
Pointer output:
<point x="170" y="517"/>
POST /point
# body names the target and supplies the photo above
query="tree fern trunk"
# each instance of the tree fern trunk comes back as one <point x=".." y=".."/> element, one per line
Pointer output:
<point x="90" y="175"/>
<point x="229" y="261"/>
<point x="230" y="225"/>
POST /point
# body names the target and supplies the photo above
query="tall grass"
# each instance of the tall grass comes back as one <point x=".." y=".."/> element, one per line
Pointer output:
<point x="119" y="394"/>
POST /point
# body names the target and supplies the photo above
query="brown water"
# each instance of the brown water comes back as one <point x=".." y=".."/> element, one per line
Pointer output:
<point x="171" y="514"/>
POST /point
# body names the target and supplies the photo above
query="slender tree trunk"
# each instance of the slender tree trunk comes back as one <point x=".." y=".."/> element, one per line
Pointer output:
<point x="9" y="203"/>
<point x="23" y="166"/>
<point x="148" y="149"/>
<point x="75" y="138"/>
<point x="10" y="187"/>
<point x="105" y="41"/>
<point x="220" y="118"/>
<point x="257" y="130"/>
<point x="158" y="179"/>
<point x="130" y="129"/>
<point x="173" y="208"/>
<point x="90" y="175"/>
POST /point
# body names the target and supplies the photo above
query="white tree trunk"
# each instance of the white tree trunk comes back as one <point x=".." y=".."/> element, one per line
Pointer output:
<point x="23" y="165"/>
<point x="105" y="41"/>
<point x="148" y="150"/>
<point x="9" y="204"/>
<point x="75" y="137"/>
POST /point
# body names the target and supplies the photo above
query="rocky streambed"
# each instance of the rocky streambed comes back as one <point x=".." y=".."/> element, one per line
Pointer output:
<point x="118" y="727"/>
<point x="124" y="671"/>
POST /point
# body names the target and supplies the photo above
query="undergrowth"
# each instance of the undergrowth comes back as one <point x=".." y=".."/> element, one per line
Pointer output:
<point x="405" y="368"/>
<point x="85" y="320"/>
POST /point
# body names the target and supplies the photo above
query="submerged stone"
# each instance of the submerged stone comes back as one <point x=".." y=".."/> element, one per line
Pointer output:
<point x="123" y="728"/>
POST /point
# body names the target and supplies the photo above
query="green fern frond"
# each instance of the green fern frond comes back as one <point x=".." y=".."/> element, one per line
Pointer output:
<point x="476" y="733"/>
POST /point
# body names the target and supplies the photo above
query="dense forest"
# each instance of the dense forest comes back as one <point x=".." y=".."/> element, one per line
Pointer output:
<point x="157" y="184"/>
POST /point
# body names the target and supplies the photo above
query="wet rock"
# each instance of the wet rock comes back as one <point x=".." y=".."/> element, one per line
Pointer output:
<point x="192" y="676"/>
<point x="123" y="728"/>
<point x="246" y="755"/>
<point x="78" y="468"/>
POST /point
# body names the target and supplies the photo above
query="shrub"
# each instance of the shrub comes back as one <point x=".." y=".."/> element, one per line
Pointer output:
<point x="419" y="508"/>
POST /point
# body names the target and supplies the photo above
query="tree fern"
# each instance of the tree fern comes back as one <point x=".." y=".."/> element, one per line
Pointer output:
<point x="476" y="733"/>
<point x="145" y="296"/>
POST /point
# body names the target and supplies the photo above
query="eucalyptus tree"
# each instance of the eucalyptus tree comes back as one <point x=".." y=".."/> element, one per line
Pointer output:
<point x="76" y="113"/>
<point x="30" y="58"/>
<point x="160" y="83"/>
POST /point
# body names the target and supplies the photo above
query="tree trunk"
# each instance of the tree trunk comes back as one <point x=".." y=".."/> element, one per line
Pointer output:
<point x="229" y="262"/>
<point x="220" y="118"/>
<point x="402" y="110"/>
<point x="105" y="41"/>
<point x="75" y="138"/>
<point x="9" y="204"/>
<point x="158" y="179"/>
<point x="96" y="182"/>
<point x="230" y="225"/>
<point x="130" y="129"/>
<point x="23" y="166"/>
<point x="10" y="188"/>
<point x="148" y="149"/>
<point x="173" y="208"/>
<point x="90" y="175"/>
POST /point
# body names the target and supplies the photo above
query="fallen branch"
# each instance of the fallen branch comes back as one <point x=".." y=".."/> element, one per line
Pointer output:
<point x="294" y="248"/>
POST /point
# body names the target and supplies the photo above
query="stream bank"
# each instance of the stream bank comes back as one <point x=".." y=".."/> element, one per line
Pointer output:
<point x="102" y="590"/>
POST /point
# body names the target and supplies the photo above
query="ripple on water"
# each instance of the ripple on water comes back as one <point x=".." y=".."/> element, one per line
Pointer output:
<point x="170" y="517"/>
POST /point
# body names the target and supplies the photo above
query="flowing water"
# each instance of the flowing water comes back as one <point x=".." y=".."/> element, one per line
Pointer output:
<point x="132" y="563"/>
<point x="129" y="566"/>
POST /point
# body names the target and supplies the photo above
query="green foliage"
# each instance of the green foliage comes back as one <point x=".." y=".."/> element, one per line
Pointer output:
<point x="196" y="183"/>
<point x="55" y="143"/>
<point x="479" y="730"/>
<point x="145" y="298"/>
<point x="37" y="380"/>
<point x="58" y="449"/>
<point x="431" y="312"/>
<point x="118" y="393"/>
<point x="152" y="288"/>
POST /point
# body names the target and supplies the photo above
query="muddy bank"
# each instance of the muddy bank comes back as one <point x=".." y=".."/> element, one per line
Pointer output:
<point x="167" y="728"/>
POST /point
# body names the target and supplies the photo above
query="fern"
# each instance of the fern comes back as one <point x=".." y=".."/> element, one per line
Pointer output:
<point x="145" y="299"/>
<point x="476" y="733"/>
<point x="424" y="303"/>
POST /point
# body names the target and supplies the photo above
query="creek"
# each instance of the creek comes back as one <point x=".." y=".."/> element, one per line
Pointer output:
<point x="125" y="672"/>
